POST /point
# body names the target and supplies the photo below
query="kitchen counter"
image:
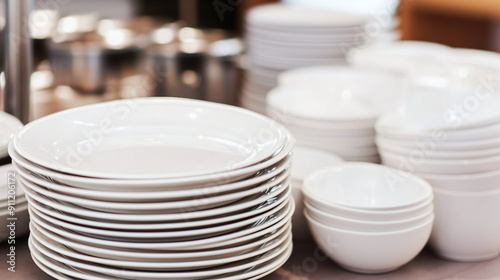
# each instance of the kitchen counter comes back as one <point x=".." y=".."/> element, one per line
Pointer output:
<point x="306" y="263"/>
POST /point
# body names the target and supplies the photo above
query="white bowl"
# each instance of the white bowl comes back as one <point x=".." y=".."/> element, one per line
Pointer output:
<point x="432" y="152"/>
<point x="379" y="89"/>
<point x="367" y="186"/>
<point x="430" y="109"/>
<point x="364" y="126"/>
<point x="306" y="161"/>
<point x="322" y="103"/>
<point x="467" y="227"/>
<point x="296" y="128"/>
<point x="367" y="142"/>
<point x="478" y="182"/>
<point x="401" y="57"/>
<point x="365" y="226"/>
<point x="490" y="128"/>
<point x="436" y="142"/>
<point x="371" y="215"/>
<point x="371" y="252"/>
<point x="440" y="166"/>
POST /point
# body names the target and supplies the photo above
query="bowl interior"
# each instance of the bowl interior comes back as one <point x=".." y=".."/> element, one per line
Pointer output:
<point x="367" y="186"/>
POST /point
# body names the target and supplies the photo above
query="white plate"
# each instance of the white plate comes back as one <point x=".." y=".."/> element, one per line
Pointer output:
<point x="261" y="270"/>
<point x="254" y="242"/>
<point x="245" y="203"/>
<point x="339" y="46"/>
<point x="317" y="36"/>
<point x="163" y="235"/>
<point x="130" y="274"/>
<point x="119" y="227"/>
<point x="292" y="61"/>
<point x="55" y="268"/>
<point x="288" y="16"/>
<point x="177" y="184"/>
<point x="368" y="7"/>
<point x="150" y="138"/>
<point x="166" y="265"/>
<point x="9" y="126"/>
<point x="211" y="194"/>
<point x="138" y="206"/>
<point x="237" y="237"/>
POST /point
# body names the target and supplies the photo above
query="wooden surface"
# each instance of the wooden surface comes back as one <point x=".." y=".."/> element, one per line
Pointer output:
<point x="482" y="9"/>
<point x="457" y="23"/>
<point x="307" y="263"/>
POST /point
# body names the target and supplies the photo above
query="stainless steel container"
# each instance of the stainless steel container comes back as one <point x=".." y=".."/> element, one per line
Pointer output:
<point x="90" y="67"/>
<point x="89" y="61"/>
<point x="194" y="63"/>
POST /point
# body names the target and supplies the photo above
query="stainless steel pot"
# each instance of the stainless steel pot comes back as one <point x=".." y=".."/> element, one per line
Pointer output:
<point x="195" y="63"/>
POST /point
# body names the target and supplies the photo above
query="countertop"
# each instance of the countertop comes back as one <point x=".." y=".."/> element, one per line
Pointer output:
<point x="306" y="263"/>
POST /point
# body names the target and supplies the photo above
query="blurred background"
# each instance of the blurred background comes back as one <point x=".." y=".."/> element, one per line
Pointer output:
<point x="91" y="51"/>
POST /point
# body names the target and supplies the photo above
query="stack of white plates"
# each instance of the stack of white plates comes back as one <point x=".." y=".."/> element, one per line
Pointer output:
<point x="451" y="138"/>
<point x="157" y="188"/>
<point x="368" y="218"/>
<point x="382" y="26"/>
<point x="280" y="37"/>
<point x="333" y="108"/>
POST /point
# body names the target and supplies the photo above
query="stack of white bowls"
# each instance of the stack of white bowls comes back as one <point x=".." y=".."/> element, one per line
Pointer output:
<point x="333" y="108"/>
<point x="305" y="162"/>
<point x="368" y="218"/>
<point x="157" y="188"/>
<point x="451" y="137"/>
<point x="281" y="37"/>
